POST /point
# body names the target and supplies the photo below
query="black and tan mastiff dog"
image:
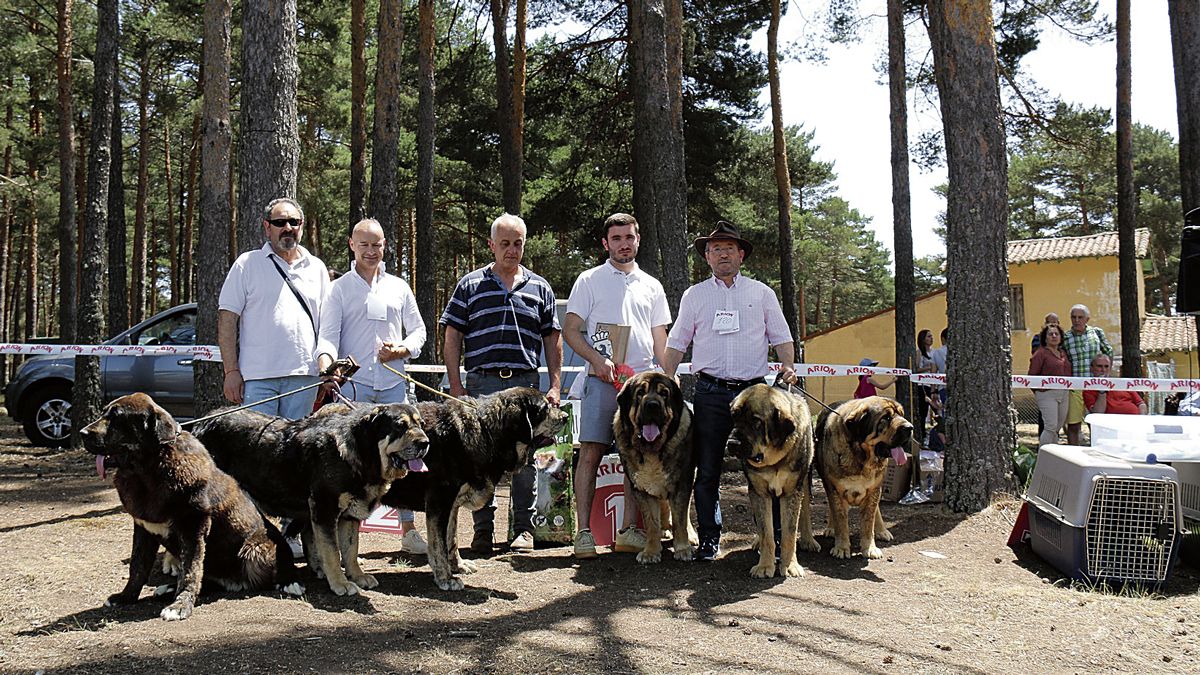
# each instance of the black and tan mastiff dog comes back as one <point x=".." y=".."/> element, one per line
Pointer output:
<point x="653" y="431"/>
<point x="854" y="444"/>
<point x="772" y="435"/>
<point x="329" y="469"/>
<point x="473" y="444"/>
<point x="178" y="498"/>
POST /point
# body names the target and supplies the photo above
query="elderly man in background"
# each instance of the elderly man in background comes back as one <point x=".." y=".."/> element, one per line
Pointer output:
<point x="1083" y="343"/>
<point x="1112" y="402"/>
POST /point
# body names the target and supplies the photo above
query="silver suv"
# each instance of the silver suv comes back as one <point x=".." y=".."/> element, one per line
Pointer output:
<point x="39" y="397"/>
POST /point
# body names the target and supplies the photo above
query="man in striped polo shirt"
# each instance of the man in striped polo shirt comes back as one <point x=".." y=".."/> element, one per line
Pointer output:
<point x="730" y="321"/>
<point x="498" y="320"/>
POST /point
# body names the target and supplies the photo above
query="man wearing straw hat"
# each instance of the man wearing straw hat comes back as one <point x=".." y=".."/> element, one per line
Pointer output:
<point x="730" y="321"/>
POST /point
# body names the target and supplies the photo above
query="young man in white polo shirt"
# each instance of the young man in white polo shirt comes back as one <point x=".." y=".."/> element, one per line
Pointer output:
<point x="372" y="316"/>
<point x="266" y="326"/>
<point x="619" y="293"/>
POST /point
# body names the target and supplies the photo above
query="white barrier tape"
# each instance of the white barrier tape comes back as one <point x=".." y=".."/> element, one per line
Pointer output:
<point x="201" y="352"/>
<point x="212" y="353"/>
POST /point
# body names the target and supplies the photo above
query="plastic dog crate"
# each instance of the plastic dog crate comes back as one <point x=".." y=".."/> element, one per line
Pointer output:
<point x="1189" y="488"/>
<point x="1097" y="518"/>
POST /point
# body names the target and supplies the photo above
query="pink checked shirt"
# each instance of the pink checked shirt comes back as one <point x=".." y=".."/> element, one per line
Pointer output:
<point x="731" y="356"/>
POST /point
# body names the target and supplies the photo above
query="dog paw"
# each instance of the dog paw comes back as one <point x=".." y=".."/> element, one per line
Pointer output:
<point x="365" y="581"/>
<point x="177" y="611"/>
<point x="793" y="570"/>
<point x="884" y="534"/>
<point x="873" y="553"/>
<point x="120" y="599"/>
<point x="466" y="567"/>
<point x="171" y="565"/>
<point x="827" y="532"/>
<point x="810" y="544"/>
<point x="685" y="553"/>
<point x="451" y="584"/>
<point x="295" y="588"/>
<point x="165" y="589"/>
<point x="763" y="570"/>
<point x="840" y="551"/>
<point x="347" y="588"/>
<point x="646" y="558"/>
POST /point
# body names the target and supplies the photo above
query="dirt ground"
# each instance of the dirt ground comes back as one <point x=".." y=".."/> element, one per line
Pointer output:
<point x="64" y="545"/>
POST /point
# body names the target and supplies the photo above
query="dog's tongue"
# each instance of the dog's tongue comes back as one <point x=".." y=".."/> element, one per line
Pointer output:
<point x="100" y="467"/>
<point x="899" y="456"/>
<point x="650" y="432"/>
<point x="417" y="465"/>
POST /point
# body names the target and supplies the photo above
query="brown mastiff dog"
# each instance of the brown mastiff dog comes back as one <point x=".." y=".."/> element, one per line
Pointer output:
<point x="178" y="498"/>
<point x="772" y="435"/>
<point x="653" y="431"/>
<point x="854" y="444"/>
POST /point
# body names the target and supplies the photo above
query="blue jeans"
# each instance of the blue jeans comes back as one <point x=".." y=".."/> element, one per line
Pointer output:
<point x="293" y="407"/>
<point x="711" y="422"/>
<point x="524" y="480"/>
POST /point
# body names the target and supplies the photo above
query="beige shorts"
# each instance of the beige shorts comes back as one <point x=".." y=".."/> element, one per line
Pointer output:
<point x="1075" y="411"/>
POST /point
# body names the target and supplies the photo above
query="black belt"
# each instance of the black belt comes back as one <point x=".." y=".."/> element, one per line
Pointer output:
<point x="503" y="373"/>
<point x="732" y="385"/>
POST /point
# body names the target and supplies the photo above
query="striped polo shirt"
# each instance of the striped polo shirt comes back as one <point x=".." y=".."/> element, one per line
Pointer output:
<point x="501" y="328"/>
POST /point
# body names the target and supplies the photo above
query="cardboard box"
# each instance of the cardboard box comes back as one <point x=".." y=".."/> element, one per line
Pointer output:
<point x="554" y="510"/>
<point x="896" y="481"/>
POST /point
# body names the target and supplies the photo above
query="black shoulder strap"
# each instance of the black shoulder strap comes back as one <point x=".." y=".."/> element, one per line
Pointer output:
<point x="295" y="292"/>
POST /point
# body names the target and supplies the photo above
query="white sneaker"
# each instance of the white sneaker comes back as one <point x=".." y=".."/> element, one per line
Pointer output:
<point x="585" y="545"/>
<point x="413" y="542"/>
<point x="630" y="540"/>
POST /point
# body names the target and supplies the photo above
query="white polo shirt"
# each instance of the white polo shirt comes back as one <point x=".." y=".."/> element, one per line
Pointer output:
<point x="605" y="294"/>
<point x="358" y="318"/>
<point x="276" y="337"/>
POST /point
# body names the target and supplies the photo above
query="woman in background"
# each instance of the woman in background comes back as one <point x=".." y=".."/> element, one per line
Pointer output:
<point x="1052" y="360"/>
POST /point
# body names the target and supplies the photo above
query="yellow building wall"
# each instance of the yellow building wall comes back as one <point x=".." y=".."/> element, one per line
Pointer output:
<point x="1052" y="286"/>
<point x="1186" y="364"/>
<point x="874" y="337"/>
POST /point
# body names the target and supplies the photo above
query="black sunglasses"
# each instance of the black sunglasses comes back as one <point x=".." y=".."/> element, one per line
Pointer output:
<point x="286" y="222"/>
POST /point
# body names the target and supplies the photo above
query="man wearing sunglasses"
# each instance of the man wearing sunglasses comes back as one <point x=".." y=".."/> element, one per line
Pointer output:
<point x="267" y="322"/>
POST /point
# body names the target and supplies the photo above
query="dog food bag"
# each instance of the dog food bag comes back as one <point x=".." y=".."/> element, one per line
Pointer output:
<point x="554" y="510"/>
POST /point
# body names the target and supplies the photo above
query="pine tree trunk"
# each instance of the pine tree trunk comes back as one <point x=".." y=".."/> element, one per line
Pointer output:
<point x="66" y="297"/>
<point x="979" y="415"/>
<point x="172" y="233"/>
<point x="426" y="252"/>
<point x="358" y="113"/>
<point x="87" y="392"/>
<point x="32" y="233"/>
<point x="905" y="294"/>
<point x="137" y="279"/>
<point x="7" y="329"/>
<point x="117" y="229"/>
<point x="783" y="181"/>
<point x="269" y="150"/>
<point x="216" y="205"/>
<point x="1131" y="319"/>
<point x="518" y="101"/>
<point x="1185" y="48"/>
<point x="660" y="199"/>
<point x="385" y="133"/>
<point x="504" y="105"/>
<point x="189" y="222"/>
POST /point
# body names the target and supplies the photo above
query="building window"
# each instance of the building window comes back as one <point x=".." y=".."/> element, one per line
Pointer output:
<point x="1016" y="306"/>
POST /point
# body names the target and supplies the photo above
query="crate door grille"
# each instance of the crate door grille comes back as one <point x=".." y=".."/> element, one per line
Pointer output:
<point x="1131" y="529"/>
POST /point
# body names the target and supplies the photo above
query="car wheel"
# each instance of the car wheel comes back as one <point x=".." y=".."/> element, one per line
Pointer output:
<point x="48" y="420"/>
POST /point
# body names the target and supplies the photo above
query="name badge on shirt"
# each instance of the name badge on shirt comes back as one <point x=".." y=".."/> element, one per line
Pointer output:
<point x="376" y="308"/>
<point x="725" y="321"/>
